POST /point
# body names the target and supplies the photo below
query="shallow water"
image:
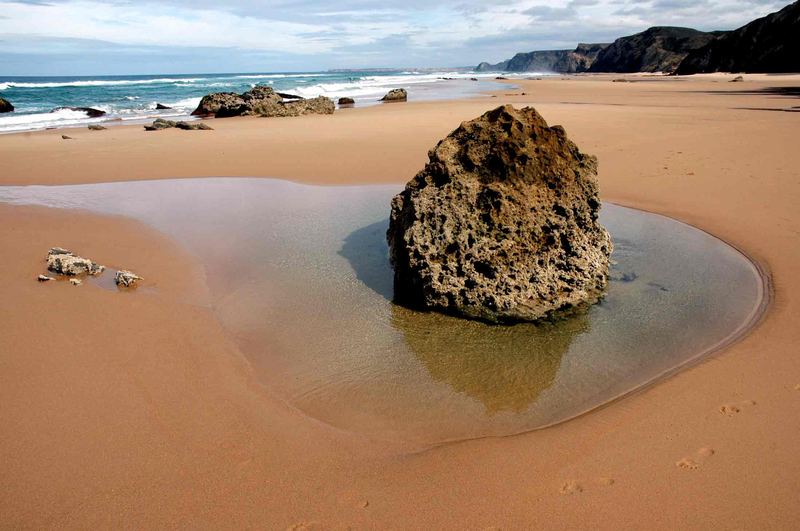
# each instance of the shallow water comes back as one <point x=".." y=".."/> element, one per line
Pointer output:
<point x="301" y="279"/>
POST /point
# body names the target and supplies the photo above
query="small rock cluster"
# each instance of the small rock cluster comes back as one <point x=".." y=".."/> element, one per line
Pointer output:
<point x="261" y="101"/>
<point x="160" y="124"/>
<point x="64" y="262"/>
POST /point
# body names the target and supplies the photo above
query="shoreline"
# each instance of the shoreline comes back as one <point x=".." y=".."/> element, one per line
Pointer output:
<point x="663" y="147"/>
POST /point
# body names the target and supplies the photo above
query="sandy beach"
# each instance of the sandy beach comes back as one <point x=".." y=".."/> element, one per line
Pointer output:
<point x="137" y="410"/>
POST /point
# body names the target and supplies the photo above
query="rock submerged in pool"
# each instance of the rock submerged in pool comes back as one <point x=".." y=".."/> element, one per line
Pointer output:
<point x="261" y="101"/>
<point x="502" y="224"/>
<point x="64" y="262"/>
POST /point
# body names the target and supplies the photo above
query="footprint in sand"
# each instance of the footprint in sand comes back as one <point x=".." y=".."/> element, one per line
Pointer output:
<point x="571" y="487"/>
<point x="733" y="409"/>
<point x="693" y="463"/>
<point x="574" y="487"/>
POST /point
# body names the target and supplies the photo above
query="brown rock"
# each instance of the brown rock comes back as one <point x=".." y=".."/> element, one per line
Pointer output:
<point x="396" y="95"/>
<point x="126" y="279"/>
<point x="347" y="101"/>
<point x="95" y="127"/>
<point x="159" y="124"/>
<point x="502" y="223"/>
<point x="261" y="101"/>
<point x="65" y="262"/>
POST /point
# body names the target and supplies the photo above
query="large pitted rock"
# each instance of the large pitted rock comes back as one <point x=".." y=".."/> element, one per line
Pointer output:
<point x="502" y="223"/>
<point x="261" y="101"/>
<point x="5" y="105"/>
<point x="65" y="262"/>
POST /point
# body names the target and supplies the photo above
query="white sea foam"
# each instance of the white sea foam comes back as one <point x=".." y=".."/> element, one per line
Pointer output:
<point x="60" y="118"/>
<point x="97" y="82"/>
<point x="375" y="85"/>
<point x="279" y="76"/>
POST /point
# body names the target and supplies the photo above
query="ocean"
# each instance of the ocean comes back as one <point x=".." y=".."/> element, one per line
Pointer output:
<point x="132" y="98"/>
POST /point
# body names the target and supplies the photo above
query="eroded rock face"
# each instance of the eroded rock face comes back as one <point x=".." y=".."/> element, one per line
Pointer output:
<point x="502" y="223"/>
<point x="396" y="95"/>
<point x="261" y="101"/>
<point x="64" y="262"/>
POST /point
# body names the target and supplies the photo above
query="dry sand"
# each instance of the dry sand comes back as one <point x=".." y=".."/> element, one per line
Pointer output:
<point x="136" y="410"/>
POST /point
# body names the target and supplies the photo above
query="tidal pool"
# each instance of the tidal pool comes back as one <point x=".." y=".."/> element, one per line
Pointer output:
<point x="300" y="278"/>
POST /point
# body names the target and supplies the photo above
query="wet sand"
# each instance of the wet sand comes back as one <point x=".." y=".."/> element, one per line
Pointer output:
<point x="135" y="409"/>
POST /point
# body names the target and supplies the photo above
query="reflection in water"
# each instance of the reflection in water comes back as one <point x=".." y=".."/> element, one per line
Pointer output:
<point x="504" y="367"/>
<point x="368" y="253"/>
<point x="300" y="278"/>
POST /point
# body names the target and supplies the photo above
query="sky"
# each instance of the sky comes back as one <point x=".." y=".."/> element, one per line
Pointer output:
<point x="85" y="37"/>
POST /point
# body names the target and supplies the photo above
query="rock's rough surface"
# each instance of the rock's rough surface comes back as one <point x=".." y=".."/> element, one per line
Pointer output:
<point x="502" y="223"/>
<point x="5" y="105"/>
<point x="126" y="279"/>
<point x="396" y="95"/>
<point x="160" y="123"/>
<point x="260" y="101"/>
<point x="65" y="262"/>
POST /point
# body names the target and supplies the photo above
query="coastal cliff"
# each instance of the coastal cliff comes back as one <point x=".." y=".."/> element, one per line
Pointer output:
<point x="657" y="49"/>
<point x="559" y="61"/>
<point x="767" y="44"/>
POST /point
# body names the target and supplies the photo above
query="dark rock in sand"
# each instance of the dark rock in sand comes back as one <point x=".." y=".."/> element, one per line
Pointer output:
<point x="502" y="223"/>
<point x="396" y="95"/>
<point x="500" y="78"/>
<point x="260" y="101"/>
<point x="65" y="137"/>
<point x="95" y="127"/>
<point x="160" y="107"/>
<point x="5" y="106"/>
<point x="737" y="79"/>
<point x="347" y="101"/>
<point x="92" y="113"/>
<point x="159" y="124"/>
